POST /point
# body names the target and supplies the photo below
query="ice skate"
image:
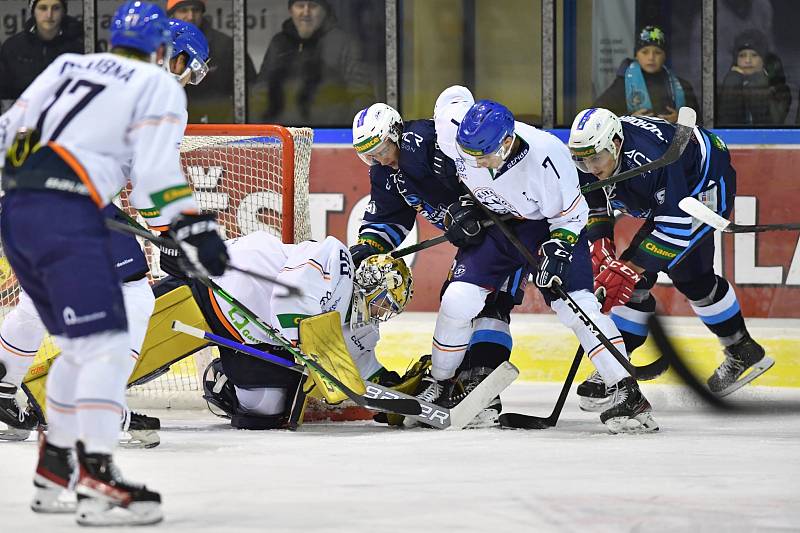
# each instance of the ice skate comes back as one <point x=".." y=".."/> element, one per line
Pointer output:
<point x="19" y="423"/>
<point x="593" y="395"/>
<point x="53" y="479"/>
<point x="430" y="391"/>
<point x="469" y="379"/>
<point x="105" y="499"/>
<point x="630" y="411"/>
<point x="141" y="431"/>
<point x="745" y="355"/>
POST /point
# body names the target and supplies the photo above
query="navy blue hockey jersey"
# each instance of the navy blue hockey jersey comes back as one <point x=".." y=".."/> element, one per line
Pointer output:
<point x="426" y="183"/>
<point x="703" y="171"/>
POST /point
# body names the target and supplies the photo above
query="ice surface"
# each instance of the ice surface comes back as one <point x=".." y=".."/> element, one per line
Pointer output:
<point x="701" y="472"/>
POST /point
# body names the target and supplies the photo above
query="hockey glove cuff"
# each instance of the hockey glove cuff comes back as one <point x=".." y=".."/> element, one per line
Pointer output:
<point x="361" y="251"/>
<point x="617" y="280"/>
<point x="171" y="259"/>
<point x="603" y="252"/>
<point x="204" y="249"/>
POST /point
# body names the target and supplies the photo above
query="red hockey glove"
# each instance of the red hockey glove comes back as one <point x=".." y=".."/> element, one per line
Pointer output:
<point x="603" y="252"/>
<point x="617" y="280"/>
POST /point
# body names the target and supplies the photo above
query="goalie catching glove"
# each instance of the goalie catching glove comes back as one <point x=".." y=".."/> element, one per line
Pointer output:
<point x="616" y="280"/>
<point x="555" y="257"/>
<point x="203" y="249"/>
<point x="462" y="223"/>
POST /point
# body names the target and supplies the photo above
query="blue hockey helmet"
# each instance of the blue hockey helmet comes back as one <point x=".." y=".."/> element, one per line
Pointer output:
<point x="483" y="129"/>
<point x="188" y="39"/>
<point x="140" y="26"/>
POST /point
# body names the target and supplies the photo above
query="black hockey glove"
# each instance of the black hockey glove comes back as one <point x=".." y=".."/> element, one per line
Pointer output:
<point x="171" y="259"/>
<point x="361" y="251"/>
<point x="462" y="223"/>
<point x="203" y="248"/>
<point x="555" y="257"/>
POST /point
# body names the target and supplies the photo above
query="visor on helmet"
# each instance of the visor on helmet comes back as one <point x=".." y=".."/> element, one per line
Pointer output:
<point x="589" y="161"/>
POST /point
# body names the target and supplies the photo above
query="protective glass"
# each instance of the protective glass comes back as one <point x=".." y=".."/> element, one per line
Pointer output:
<point x="592" y="163"/>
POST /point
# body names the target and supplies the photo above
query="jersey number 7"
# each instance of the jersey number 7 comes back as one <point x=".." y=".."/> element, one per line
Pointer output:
<point x="92" y="90"/>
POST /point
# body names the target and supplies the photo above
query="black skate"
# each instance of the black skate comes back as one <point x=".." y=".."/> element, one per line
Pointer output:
<point x="430" y="390"/>
<point x="141" y="430"/>
<point x="745" y="354"/>
<point x="630" y="411"/>
<point x="19" y="422"/>
<point x="53" y="479"/>
<point x="470" y="379"/>
<point x="593" y="395"/>
<point x="105" y="499"/>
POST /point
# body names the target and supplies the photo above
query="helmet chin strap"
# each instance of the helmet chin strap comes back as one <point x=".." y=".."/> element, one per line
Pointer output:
<point x="504" y="153"/>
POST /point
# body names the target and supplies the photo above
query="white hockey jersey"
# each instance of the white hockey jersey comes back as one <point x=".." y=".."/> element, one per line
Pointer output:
<point x="324" y="272"/>
<point x="539" y="182"/>
<point x="98" y="111"/>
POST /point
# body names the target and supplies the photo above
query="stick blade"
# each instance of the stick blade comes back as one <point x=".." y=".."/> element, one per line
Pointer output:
<point x="695" y="208"/>
<point x="687" y="117"/>
<point x="520" y="421"/>
<point x="495" y="383"/>
<point x="400" y="406"/>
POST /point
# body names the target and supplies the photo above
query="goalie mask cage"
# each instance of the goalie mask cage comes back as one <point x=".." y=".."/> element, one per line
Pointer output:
<point x="255" y="177"/>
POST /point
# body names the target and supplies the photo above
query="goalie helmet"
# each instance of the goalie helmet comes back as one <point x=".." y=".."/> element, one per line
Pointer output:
<point x="188" y="39"/>
<point x="382" y="289"/>
<point x="141" y="26"/>
<point x="592" y="135"/>
<point x="374" y="125"/>
<point x="483" y="130"/>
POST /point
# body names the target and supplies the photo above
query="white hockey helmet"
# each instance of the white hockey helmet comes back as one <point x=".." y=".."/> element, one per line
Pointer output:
<point x="592" y="132"/>
<point x="374" y="125"/>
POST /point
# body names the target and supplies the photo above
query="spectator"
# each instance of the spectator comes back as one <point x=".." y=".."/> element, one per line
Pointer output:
<point x="313" y="71"/>
<point x="48" y="33"/>
<point x="754" y="91"/>
<point x="644" y="86"/>
<point x="212" y="100"/>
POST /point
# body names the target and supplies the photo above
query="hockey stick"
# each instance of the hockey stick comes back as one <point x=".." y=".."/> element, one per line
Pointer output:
<point x="521" y="421"/>
<point x="437" y="240"/>
<point x="687" y="119"/>
<point x="561" y="293"/>
<point x="139" y="231"/>
<point x="398" y="405"/>
<point x="704" y="214"/>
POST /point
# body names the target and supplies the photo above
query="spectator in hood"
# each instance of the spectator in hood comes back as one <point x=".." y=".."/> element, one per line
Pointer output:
<point x="212" y="100"/>
<point x="313" y="72"/>
<point x="754" y="91"/>
<point x="48" y="33"/>
<point x="645" y="86"/>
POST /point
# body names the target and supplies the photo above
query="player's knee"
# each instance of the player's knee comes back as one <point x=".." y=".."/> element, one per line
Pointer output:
<point x="499" y="307"/>
<point x="701" y="289"/>
<point x="585" y="300"/>
<point x="139" y="297"/>
<point x="462" y="301"/>
<point x="108" y="344"/>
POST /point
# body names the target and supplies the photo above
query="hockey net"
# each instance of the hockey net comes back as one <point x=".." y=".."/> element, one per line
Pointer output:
<point x="255" y="177"/>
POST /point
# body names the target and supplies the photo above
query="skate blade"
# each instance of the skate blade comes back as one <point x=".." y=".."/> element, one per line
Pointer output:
<point x="95" y="512"/>
<point x="756" y="370"/>
<point x="140" y="438"/>
<point x="641" y="423"/>
<point x="594" y="405"/>
<point x="54" y="501"/>
<point x="488" y="418"/>
<point x="14" y="434"/>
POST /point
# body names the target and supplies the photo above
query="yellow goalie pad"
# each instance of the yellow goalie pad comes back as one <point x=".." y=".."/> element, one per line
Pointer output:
<point x="162" y="346"/>
<point x="321" y="339"/>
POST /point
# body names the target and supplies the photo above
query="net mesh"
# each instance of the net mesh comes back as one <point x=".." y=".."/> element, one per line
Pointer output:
<point x="254" y="177"/>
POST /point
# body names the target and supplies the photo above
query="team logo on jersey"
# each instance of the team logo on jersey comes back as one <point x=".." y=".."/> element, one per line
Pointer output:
<point x="371" y="207"/>
<point x="71" y="318"/>
<point x="459" y="271"/>
<point x="718" y="143"/>
<point x="411" y="141"/>
<point x="290" y="320"/>
<point x="661" y="195"/>
<point x="495" y="202"/>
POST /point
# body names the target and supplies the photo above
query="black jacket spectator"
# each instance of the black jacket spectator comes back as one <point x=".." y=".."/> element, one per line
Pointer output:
<point x="754" y="91"/>
<point x="25" y="55"/>
<point x="319" y="81"/>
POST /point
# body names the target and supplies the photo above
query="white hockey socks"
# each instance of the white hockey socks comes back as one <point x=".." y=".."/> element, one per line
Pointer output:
<point x="62" y="422"/>
<point x="21" y="334"/>
<point x="606" y="364"/>
<point x="461" y="303"/>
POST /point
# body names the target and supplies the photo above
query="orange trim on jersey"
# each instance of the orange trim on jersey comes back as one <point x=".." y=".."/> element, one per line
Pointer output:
<point x="158" y="228"/>
<point x="574" y="204"/>
<point x="15" y="352"/>
<point x="155" y="121"/>
<point x="601" y="347"/>
<point x="76" y="167"/>
<point x="221" y="317"/>
<point x="53" y="407"/>
<point x="443" y="349"/>
<point x="313" y="264"/>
